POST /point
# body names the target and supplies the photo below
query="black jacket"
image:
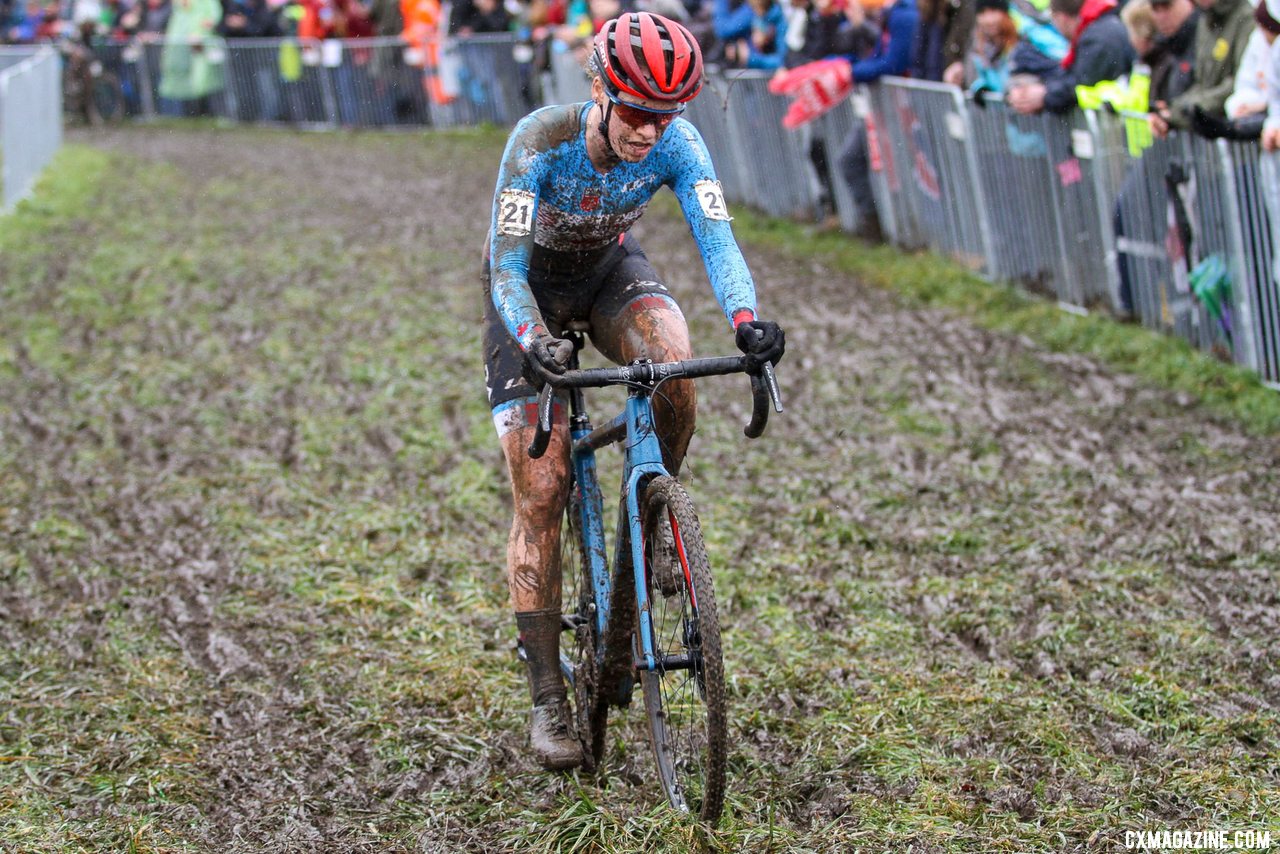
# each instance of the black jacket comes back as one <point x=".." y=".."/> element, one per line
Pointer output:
<point x="1103" y="52"/>
<point x="259" y="20"/>
<point x="1173" y="61"/>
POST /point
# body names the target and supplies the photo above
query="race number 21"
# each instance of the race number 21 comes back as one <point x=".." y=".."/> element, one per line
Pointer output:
<point x="515" y="212"/>
<point x="711" y="197"/>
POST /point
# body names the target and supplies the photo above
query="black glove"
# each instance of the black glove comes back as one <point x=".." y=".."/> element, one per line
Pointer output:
<point x="546" y="356"/>
<point x="1208" y="125"/>
<point x="762" y="341"/>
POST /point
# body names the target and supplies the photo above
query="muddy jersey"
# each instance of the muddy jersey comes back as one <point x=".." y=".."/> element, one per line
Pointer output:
<point x="551" y="208"/>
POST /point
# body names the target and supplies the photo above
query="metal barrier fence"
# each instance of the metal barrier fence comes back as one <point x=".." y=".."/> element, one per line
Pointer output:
<point x="30" y="119"/>
<point x="1181" y="237"/>
<point x="1058" y="204"/>
<point x="364" y="83"/>
<point x="757" y="163"/>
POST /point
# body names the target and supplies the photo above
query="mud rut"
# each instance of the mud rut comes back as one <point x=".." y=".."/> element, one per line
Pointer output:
<point x="1102" y="458"/>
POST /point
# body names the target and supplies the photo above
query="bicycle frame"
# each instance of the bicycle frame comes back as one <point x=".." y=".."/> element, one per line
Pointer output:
<point x="642" y="461"/>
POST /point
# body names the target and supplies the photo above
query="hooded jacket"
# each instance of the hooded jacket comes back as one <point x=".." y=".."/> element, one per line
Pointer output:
<point x="1100" y="51"/>
<point x="1221" y="37"/>
<point x="892" y="56"/>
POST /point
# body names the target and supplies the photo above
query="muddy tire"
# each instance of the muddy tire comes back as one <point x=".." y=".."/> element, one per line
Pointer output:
<point x="686" y="708"/>
<point x="591" y="707"/>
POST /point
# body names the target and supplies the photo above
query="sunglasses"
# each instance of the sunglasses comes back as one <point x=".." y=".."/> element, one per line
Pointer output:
<point x="637" y="117"/>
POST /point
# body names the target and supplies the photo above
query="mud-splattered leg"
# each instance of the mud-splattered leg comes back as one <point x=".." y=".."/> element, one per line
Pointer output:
<point x="654" y="328"/>
<point x="540" y="489"/>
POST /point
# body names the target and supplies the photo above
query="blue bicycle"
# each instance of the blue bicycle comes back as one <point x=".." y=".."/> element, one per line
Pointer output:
<point x="652" y="615"/>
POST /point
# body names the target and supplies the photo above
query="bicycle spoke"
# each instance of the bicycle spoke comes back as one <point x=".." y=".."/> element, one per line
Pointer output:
<point x="686" y="704"/>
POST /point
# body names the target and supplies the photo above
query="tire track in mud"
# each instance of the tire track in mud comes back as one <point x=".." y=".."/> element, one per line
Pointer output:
<point x="1117" y="473"/>
<point x="288" y="764"/>
<point x="1130" y="493"/>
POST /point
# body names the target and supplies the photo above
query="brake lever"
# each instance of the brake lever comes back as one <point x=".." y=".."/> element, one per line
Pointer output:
<point x="771" y="383"/>
<point x="542" y="431"/>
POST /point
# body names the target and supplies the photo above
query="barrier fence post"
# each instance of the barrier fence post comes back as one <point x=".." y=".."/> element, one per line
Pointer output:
<point x="980" y="203"/>
<point x="30" y="119"/>
<point x="1245" y="276"/>
<point x="1268" y="293"/>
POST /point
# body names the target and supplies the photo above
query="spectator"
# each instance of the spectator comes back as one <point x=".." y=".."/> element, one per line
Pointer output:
<point x="1100" y="50"/>
<point x="943" y="37"/>
<point x="49" y="27"/>
<point x="478" y="16"/>
<point x="247" y="19"/>
<point x="154" y="22"/>
<point x="18" y="22"/>
<point x="392" y="89"/>
<point x="388" y="20"/>
<point x="891" y="56"/>
<point x="253" y="19"/>
<point x="1140" y="23"/>
<point x="1221" y="36"/>
<point x="1246" y="108"/>
<point x="816" y="30"/>
<point x="765" y="43"/>
<point x="1035" y="28"/>
<point x="191" y="63"/>
<point x="797" y="14"/>
<point x="1173" y="62"/>
<point x="1249" y="96"/>
<point x="999" y="47"/>
<point x="422" y="21"/>
<point x="731" y="22"/>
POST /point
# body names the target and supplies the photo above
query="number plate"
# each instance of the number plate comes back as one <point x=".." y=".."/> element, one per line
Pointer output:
<point x="515" y="212"/>
<point x="711" y="197"/>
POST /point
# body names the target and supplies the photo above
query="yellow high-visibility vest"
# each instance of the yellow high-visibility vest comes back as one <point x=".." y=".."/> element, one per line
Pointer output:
<point x="1131" y="95"/>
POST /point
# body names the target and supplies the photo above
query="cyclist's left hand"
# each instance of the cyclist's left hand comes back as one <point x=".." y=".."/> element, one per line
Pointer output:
<point x="547" y="356"/>
<point x="762" y="341"/>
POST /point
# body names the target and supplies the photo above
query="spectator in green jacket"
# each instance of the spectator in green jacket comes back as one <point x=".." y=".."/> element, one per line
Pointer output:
<point x="1221" y="37"/>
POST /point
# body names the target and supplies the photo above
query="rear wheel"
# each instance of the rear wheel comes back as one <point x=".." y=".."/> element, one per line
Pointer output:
<point x="685" y="699"/>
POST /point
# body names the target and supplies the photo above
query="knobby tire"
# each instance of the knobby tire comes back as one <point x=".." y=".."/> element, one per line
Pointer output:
<point x="590" y="702"/>
<point x="687" y="709"/>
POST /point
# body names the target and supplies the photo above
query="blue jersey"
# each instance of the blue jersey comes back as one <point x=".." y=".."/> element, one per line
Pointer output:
<point x="551" y="203"/>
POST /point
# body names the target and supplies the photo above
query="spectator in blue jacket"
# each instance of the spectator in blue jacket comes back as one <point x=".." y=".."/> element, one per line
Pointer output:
<point x="19" y="27"/>
<point x="891" y="56"/>
<point x="767" y="44"/>
<point x="762" y="44"/>
<point x="731" y="21"/>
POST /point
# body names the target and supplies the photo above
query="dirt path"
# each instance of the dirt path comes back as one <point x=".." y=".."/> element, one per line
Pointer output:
<point x="940" y="506"/>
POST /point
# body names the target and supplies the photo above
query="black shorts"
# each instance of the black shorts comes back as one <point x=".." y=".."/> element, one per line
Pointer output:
<point x="565" y="291"/>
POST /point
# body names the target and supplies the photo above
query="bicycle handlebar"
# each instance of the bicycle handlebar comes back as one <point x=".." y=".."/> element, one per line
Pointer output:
<point x="764" y="388"/>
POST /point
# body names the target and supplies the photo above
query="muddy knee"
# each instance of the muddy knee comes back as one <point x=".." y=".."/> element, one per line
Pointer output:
<point x="675" y="413"/>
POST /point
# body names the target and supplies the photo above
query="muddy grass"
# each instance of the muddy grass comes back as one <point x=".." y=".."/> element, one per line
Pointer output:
<point x="978" y="595"/>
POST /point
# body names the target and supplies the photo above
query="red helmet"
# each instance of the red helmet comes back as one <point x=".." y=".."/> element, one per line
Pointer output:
<point x="649" y="56"/>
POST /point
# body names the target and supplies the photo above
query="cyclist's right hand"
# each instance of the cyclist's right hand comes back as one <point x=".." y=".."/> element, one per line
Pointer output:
<point x="548" y="356"/>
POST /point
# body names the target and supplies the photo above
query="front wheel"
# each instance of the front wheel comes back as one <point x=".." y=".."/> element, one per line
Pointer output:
<point x="684" y="697"/>
<point x="590" y="699"/>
